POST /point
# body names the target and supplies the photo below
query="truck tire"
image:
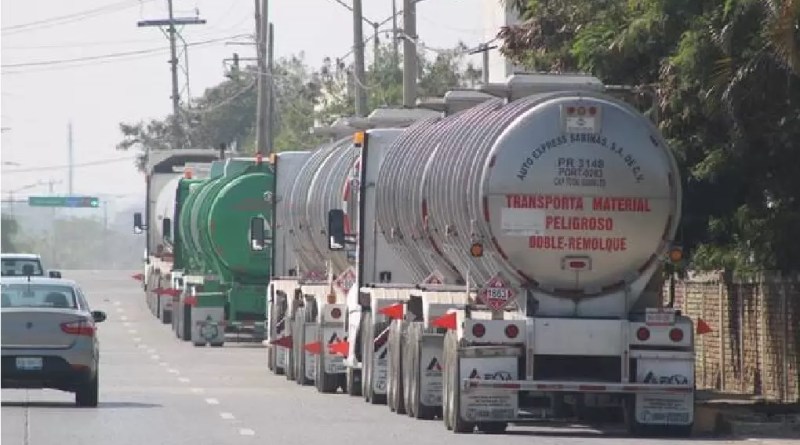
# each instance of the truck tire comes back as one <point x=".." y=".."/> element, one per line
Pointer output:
<point x="353" y="382"/>
<point x="394" y="383"/>
<point x="452" y="390"/>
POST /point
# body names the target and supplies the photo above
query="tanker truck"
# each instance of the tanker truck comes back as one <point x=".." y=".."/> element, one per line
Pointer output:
<point x="163" y="171"/>
<point x="541" y="217"/>
<point x="309" y="284"/>
<point x="225" y="276"/>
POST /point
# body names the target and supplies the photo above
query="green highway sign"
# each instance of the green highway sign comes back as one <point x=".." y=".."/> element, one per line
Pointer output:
<point x="63" y="201"/>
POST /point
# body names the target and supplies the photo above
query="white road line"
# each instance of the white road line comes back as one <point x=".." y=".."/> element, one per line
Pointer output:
<point x="246" y="432"/>
<point x="131" y="331"/>
<point x="151" y="351"/>
<point x="173" y="371"/>
<point x="212" y="401"/>
<point x="126" y="323"/>
<point x="154" y="357"/>
<point x="197" y="390"/>
<point x="162" y="363"/>
<point x="137" y="340"/>
<point x="183" y="380"/>
<point x="226" y="416"/>
<point x="142" y="346"/>
<point x="117" y="303"/>
<point x="123" y="318"/>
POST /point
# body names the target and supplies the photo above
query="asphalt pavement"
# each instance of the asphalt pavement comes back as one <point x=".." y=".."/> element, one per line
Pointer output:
<point x="155" y="389"/>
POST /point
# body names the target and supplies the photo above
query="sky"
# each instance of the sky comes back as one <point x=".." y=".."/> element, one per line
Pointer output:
<point x="39" y="100"/>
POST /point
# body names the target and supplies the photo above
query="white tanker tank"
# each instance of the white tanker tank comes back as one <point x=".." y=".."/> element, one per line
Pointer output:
<point x="574" y="197"/>
<point x="317" y="188"/>
<point x="165" y="208"/>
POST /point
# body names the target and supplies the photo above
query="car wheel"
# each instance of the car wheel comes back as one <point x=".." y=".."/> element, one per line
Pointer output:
<point x="87" y="394"/>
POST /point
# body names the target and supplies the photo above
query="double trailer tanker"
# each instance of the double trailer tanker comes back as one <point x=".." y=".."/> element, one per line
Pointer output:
<point x="507" y="263"/>
<point x="163" y="172"/>
<point x="225" y="274"/>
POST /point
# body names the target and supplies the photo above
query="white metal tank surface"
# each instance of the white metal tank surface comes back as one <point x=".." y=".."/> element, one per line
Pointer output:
<point x="165" y="208"/>
<point x="573" y="196"/>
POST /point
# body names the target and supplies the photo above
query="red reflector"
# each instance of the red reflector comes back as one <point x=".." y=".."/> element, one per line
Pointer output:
<point x="643" y="334"/>
<point x="676" y="334"/>
<point x="577" y="264"/>
<point x="190" y="301"/>
<point x="478" y="330"/>
<point x="509" y="385"/>
<point x="570" y="110"/>
<point x="78" y="328"/>
<point x="336" y="312"/>
<point x="592" y="111"/>
<point x="512" y="331"/>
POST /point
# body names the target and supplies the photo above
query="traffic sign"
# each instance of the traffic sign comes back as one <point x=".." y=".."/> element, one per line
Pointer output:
<point x="64" y="201"/>
<point x="497" y="293"/>
<point x="346" y="280"/>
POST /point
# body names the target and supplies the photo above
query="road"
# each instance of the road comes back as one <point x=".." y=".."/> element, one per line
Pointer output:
<point x="156" y="390"/>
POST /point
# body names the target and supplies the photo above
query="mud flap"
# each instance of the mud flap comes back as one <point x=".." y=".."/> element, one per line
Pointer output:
<point x="380" y="363"/>
<point x="206" y="326"/>
<point x="431" y="366"/>
<point x="486" y="405"/>
<point x="334" y="363"/>
<point x="664" y="409"/>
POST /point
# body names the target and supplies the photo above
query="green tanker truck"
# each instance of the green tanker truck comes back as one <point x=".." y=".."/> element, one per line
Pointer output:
<point x="225" y="273"/>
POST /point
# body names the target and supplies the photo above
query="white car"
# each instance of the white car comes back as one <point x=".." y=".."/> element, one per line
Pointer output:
<point x="13" y="265"/>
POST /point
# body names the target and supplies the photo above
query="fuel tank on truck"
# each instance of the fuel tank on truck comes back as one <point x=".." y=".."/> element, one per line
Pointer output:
<point x="189" y="218"/>
<point x="311" y="258"/>
<point x="165" y="208"/>
<point x="573" y="196"/>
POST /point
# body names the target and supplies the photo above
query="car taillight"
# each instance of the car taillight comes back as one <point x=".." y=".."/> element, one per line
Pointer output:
<point x="478" y="330"/>
<point x="676" y="334"/>
<point x="643" y="333"/>
<point x="78" y="328"/>
<point x="512" y="331"/>
<point x="336" y="313"/>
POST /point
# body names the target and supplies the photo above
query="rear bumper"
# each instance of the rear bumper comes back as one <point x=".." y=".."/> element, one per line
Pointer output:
<point x="578" y="387"/>
<point x="56" y="373"/>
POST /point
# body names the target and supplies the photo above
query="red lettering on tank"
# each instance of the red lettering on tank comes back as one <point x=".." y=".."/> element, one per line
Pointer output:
<point x="599" y="223"/>
<point x="637" y="205"/>
<point x="544" y="202"/>
<point x="579" y="243"/>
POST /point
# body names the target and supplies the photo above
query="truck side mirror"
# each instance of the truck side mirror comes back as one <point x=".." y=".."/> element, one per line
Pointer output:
<point x="138" y="226"/>
<point x="54" y="274"/>
<point x="336" y="235"/>
<point x="166" y="228"/>
<point x="27" y="270"/>
<point x="257" y="233"/>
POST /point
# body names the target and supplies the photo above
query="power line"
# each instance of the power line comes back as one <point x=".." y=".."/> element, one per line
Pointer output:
<point x="111" y="55"/>
<point x="83" y="164"/>
<point x="74" y="17"/>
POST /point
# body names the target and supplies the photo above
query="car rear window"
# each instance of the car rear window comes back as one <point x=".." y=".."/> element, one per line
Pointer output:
<point x="38" y="295"/>
<point x="13" y="267"/>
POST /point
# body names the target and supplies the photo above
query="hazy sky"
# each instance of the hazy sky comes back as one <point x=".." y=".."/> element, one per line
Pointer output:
<point x="38" y="101"/>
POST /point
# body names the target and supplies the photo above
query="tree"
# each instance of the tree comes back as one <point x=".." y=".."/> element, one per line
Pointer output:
<point x="726" y="76"/>
<point x="10" y="235"/>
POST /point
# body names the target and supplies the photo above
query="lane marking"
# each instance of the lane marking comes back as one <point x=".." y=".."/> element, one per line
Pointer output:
<point x="151" y="351"/>
<point x="197" y="390"/>
<point x="173" y="371"/>
<point x="162" y="363"/>
<point x="141" y="346"/>
<point x="131" y="331"/>
<point x="154" y="357"/>
<point x="123" y="318"/>
<point x="226" y="416"/>
<point x="183" y="380"/>
<point x="246" y="432"/>
<point x="137" y="340"/>
<point x="212" y="401"/>
<point x="117" y="303"/>
<point x="126" y="323"/>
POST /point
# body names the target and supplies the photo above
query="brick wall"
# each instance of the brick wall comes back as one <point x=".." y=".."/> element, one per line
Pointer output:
<point x="754" y="343"/>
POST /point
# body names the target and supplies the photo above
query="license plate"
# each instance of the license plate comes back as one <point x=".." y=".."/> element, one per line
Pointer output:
<point x="29" y="363"/>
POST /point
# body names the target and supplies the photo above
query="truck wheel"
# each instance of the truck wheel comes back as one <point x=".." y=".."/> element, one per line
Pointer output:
<point x="452" y="395"/>
<point x="186" y="323"/>
<point x="300" y="341"/>
<point x="408" y="363"/>
<point x="353" y="382"/>
<point x="394" y="381"/>
<point x="366" y="356"/>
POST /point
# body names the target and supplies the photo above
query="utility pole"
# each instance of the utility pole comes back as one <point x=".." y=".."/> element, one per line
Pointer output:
<point x="270" y="91"/>
<point x="176" y="98"/>
<point x="484" y="49"/>
<point x="70" y="159"/>
<point x="375" y="43"/>
<point x="409" y="53"/>
<point x="395" y="45"/>
<point x="358" y="49"/>
<point x="262" y="30"/>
